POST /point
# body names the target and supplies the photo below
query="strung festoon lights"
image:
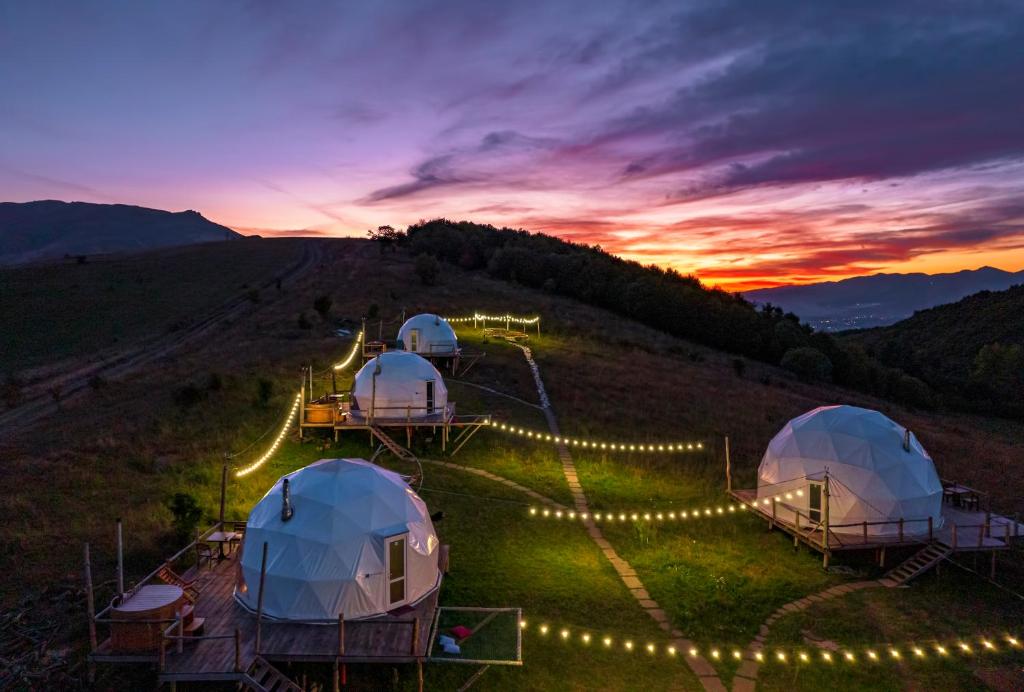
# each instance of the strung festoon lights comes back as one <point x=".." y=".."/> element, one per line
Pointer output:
<point x="478" y="317"/>
<point x="656" y="516"/>
<point x="351" y="354"/>
<point x="849" y="655"/>
<point x="246" y="470"/>
<point x="669" y="448"/>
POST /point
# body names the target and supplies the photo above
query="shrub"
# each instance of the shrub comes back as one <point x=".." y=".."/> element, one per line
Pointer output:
<point x="322" y="305"/>
<point x="264" y="391"/>
<point x="807" y="363"/>
<point x="187" y="396"/>
<point x="185" y="515"/>
<point x="304" y="322"/>
<point x="427" y="268"/>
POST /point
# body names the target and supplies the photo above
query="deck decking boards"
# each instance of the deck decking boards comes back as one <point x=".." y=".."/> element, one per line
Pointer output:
<point x="969" y="536"/>
<point x="386" y="638"/>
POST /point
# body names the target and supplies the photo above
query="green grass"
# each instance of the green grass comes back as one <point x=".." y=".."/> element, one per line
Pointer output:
<point x="55" y="311"/>
<point x="940" y="610"/>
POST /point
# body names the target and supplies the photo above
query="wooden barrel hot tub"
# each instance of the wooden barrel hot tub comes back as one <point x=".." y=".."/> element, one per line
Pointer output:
<point x="151" y="602"/>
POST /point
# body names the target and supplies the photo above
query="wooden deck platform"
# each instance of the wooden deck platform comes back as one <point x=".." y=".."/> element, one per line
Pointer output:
<point x="962" y="530"/>
<point x="389" y="638"/>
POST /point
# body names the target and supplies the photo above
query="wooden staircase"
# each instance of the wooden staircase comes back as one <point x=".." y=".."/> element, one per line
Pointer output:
<point x="918" y="563"/>
<point x="263" y="677"/>
<point x="392" y="446"/>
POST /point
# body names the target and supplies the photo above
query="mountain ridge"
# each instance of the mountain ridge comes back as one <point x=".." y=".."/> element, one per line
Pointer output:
<point x="50" y="229"/>
<point x="881" y="299"/>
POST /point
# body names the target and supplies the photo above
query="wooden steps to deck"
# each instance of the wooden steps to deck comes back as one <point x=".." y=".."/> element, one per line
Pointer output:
<point x="263" y="677"/>
<point x="392" y="446"/>
<point x="918" y="563"/>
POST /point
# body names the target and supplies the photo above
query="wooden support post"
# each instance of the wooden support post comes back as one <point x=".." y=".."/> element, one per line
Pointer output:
<point x="419" y="674"/>
<point x="865" y="532"/>
<point x="931" y="530"/>
<point x="341" y="634"/>
<point x="825" y="518"/>
<point x="901" y="529"/>
<point x="302" y="404"/>
<point x="772" y="524"/>
<point x="334" y="382"/>
<point x="415" y="636"/>
<point x="881" y="557"/>
<point x="238" y="650"/>
<point x="728" y="467"/>
<point x="259" y="600"/>
<point x="120" y="560"/>
<point x="223" y="493"/>
<point x="90" y="603"/>
<point x="992" y="569"/>
<point x="161" y="660"/>
<point x="982" y="530"/>
<point x="954" y="537"/>
<point x="337" y="677"/>
<point x="988" y="523"/>
<point x="181" y="631"/>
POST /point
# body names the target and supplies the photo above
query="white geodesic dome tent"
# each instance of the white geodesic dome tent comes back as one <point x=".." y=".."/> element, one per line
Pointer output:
<point x="359" y="542"/>
<point x="429" y="335"/>
<point x="877" y="469"/>
<point x="406" y="385"/>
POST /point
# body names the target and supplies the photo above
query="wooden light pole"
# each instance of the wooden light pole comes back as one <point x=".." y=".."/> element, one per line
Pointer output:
<point x="120" y="560"/>
<point x="259" y="600"/>
<point x="728" y="467"/>
<point x="824" y="532"/>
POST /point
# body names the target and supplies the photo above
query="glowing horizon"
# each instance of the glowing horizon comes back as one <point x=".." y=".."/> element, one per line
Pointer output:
<point x="745" y="144"/>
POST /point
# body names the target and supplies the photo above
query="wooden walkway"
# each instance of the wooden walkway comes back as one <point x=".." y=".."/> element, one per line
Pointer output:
<point x="388" y="638"/>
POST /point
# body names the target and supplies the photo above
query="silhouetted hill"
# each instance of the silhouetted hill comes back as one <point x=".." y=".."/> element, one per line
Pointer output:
<point x="971" y="351"/>
<point x="880" y="299"/>
<point x="49" y="229"/>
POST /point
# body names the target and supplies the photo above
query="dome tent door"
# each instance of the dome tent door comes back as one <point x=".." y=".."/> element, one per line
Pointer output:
<point x="430" y="397"/>
<point x="395" y="568"/>
<point x="814" y="501"/>
<point x="414" y="340"/>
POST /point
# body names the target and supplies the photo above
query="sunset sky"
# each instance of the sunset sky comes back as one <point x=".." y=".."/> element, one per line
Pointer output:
<point x="751" y="143"/>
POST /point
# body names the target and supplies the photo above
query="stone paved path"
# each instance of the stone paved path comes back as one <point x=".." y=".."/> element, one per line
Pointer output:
<point x="704" y="671"/>
<point x="746" y="676"/>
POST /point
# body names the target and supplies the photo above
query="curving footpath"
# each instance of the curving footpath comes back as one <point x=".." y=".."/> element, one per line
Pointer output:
<point x="704" y="671"/>
<point x="746" y="676"/>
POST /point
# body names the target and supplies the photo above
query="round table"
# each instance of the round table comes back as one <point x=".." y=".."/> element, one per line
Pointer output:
<point x="151" y="602"/>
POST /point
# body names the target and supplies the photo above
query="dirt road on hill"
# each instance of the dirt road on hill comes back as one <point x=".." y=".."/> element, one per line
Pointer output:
<point x="73" y="383"/>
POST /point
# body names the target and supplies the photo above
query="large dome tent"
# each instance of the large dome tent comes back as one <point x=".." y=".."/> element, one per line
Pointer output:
<point x="878" y="472"/>
<point x="357" y="541"/>
<point x="429" y="335"/>
<point x="397" y="385"/>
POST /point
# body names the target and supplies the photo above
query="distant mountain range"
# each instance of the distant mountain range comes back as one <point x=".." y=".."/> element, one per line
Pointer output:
<point x="49" y="229"/>
<point x="880" y="299"/>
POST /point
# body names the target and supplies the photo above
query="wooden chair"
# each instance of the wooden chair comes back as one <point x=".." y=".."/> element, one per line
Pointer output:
<point x="204" y="551"/>
<point x="238" y="528"/>
<point x="188" y="586"/>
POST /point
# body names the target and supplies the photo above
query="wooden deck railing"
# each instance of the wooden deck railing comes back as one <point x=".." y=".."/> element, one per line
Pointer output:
<point x="342" y="653"/>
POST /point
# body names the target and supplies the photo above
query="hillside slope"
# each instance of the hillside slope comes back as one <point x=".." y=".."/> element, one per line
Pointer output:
<point x="972" y="351"/>
<point x="48" y="229"/>
<point x="880" y="299"/>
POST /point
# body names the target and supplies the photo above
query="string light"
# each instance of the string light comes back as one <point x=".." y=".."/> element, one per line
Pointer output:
<point x="351" y="355"/>
<point x="245" y="471"/>
<point x="494" y="318"/>
<point x="781" y="656"/>
<point x="540" y="436"/>
<point x="611" y="517"/>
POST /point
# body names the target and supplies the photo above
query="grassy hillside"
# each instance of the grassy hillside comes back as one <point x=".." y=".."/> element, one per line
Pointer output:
<point x="65" y="309"/>
<point x="972" y="351"/>
<point x="125" y="449"/>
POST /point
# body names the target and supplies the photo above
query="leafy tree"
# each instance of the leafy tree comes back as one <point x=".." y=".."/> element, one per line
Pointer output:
<point x="387" y="237"/>
<point x="807" y="363"/>
<point x="427" y="268"/>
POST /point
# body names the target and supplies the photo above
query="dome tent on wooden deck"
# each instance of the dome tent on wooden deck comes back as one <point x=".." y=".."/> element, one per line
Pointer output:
<point x="429" y="335"/>
<point x="878" y="471"/>
<point x="359" y="541"/>
<point x="397" y="385"/>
